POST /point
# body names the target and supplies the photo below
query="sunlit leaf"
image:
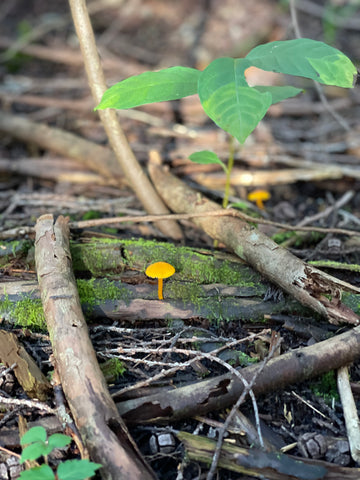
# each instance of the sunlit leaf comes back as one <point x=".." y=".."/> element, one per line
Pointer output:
<point x="228" y="100"/>
<point x="305" y="57"/>
<point x="149" y="87"/>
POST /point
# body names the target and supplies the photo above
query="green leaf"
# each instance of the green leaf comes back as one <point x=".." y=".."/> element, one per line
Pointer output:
<point x="305" y="58"/>
<point x="34" y="451"/>
<point x="206" y="157"/>
<point x="77" y="469"/>
<point x="279" y="93"/>
<point x="35" y="434"/>
<point x="149" y="87"/>
<point x="38" y="473"/>
<point x="228" y="100"/>
<point x="58" y="440"/>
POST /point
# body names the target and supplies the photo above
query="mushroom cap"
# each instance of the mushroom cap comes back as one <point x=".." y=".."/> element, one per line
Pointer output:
<point x="259" y="194"/>
<point x="160" y="270"/>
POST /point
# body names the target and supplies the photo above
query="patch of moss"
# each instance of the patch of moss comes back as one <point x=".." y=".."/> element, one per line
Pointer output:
<point x="325" y="387"/>
<point x="352" y="301"/>
<point x="26" y="312"/>
<point x="193" y="266"/>
<point x="94" y="292"/>
<point x="112" y="369"/>
<point x="91" y="214"/>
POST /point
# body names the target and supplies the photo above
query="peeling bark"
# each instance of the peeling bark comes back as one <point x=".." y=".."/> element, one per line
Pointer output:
<point x="102" y="429"/>
<point x="304" y="282"/>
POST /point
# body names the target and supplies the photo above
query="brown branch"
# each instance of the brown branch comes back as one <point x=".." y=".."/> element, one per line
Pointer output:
<point x="102" y="429"/>
<point x="305" y="283"/>
<point x="139" y="182"/>
<point x="260" y="464"/>
<point x="61" y="142"/>
<point x="222" y="391"/>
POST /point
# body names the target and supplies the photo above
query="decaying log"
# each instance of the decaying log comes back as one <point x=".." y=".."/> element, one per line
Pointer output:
<point x="260" y="464"/>
<point x="308" y="285"/>
<point x="26" y="371"/>
<point x="102" y="429"/>
<point x="222" y="391"/>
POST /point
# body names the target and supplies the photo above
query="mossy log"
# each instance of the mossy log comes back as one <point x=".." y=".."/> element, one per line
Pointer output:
<point x="209" y="285"/>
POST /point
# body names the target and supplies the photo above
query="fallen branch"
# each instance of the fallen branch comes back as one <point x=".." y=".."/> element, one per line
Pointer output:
<point x="260" y="464"/>
<point x="222" y="391"/>
<point x="61" y="142"/>
<point x="102" y="429"/>
<point x="133" y="172"/>
<point x="308" y="285"/>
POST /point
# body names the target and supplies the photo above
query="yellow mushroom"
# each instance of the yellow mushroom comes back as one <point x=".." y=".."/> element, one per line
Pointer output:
<point x="259" y="196"/>
<point x="160" y="270"/>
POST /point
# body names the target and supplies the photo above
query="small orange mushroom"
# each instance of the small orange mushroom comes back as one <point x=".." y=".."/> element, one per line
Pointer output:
<point x="259" y="196"/>
<point x="160" y="270"/>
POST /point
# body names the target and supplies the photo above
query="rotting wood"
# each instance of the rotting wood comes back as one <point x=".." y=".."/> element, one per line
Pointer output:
<point x="102" y="429"/>
<point x="222" y="391"/>
<point x="137" y="303"/>
<point x="26" y="371"/>
<point x="308" y="285"/>
<point x="260" y="464"/>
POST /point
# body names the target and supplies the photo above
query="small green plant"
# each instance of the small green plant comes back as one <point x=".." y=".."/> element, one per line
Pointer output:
<point x="224" y="92"/>
<point x="38" y="444"/>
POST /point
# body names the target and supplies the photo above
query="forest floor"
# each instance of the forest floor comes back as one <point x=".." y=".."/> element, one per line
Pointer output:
<point x="308" y="160"/>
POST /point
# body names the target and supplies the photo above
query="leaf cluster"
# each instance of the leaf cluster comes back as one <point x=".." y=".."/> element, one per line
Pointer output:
<point x="36" y="444"/>
<point x="222" y="87"/>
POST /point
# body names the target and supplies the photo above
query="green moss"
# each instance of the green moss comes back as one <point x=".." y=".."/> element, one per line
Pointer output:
<point x="91" y="214"/>
<point x="190" y="265"/>
<point x="10" y="250"/>
<point x="26" y="312"/>
<point x="112" y="369"/>
<point x="97" y="258"/>
<point x="188" y="292"/>
<point x="94" y="292"/>
<point x="325" y="387"/>
<point x="245" y="360"/>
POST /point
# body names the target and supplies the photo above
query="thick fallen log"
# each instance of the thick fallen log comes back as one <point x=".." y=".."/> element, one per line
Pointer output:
<point x="102" y="429"/>
<point x="308" y="285"/>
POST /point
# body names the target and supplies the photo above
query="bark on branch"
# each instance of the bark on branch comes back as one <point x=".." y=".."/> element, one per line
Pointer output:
<point x="102" y="429"/>
<point x="308" y="285"/>
<point x="222" y="391"/>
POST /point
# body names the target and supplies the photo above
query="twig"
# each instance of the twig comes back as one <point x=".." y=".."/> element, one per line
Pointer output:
<point x="247" y="389"/>
<point x="27" y="403"/>
<point x="125" y="156"/>
<point x="350" y="412"/>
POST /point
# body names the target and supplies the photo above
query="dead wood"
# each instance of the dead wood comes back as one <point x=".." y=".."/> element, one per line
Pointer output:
<point x="140" y="303"/>
<point x="260" y="464"/>
<point x="222" y="391"/>
<point x="72" y="58"/>
<point x="133" y="172"/>
<point x="96" y="157"/>
<point x="307" y="284"/>
<point x="102" y="429"/>
<point x="26" y="371"/>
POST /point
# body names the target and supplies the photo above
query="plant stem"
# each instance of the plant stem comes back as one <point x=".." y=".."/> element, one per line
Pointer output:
<point x="229" y="168"/>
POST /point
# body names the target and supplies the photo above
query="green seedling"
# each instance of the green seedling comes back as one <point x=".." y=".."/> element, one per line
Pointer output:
<point x="37" y="444"/>
<point x="224" y="92"/>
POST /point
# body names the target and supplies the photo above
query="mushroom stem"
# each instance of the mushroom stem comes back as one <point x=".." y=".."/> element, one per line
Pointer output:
<point x="160" y="288"/>
<point x="260" y="204"/>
